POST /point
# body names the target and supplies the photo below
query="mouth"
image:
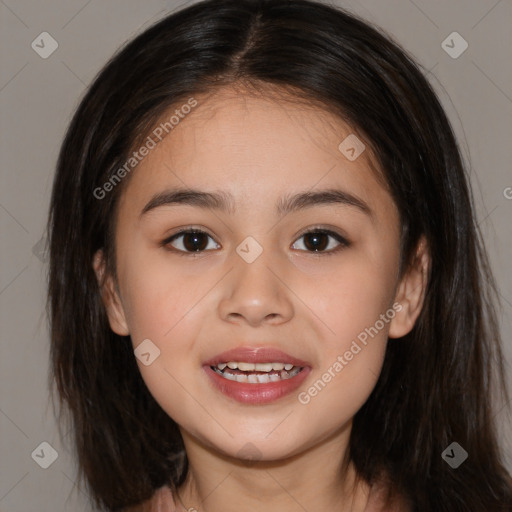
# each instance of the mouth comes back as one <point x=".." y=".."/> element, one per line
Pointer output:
<point x="256" y="376"/>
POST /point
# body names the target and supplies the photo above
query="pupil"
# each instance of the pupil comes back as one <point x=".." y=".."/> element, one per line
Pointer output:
<point x="314" y="237"/>
<point x="194" y="237"/>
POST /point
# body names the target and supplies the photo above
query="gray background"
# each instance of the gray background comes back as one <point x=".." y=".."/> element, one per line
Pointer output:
<point x="37" y="98"/>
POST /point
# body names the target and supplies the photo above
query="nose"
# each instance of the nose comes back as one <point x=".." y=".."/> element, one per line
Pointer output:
<point x="256" y="293"/>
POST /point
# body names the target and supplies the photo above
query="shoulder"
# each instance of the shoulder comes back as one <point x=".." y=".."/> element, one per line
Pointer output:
<point x="161" y="501"/>
<point x="378" y="500"/>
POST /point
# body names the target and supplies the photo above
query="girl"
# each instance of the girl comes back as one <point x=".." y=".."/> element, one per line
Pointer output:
<point x="267" y="289"/>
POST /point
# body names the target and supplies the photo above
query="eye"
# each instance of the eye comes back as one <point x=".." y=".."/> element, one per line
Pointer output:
<point x="189" y="240"/>
<point x="317" y="240"/>
<point x="196" y="241"/>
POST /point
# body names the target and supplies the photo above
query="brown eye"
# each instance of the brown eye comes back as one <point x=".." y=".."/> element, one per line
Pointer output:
<point x="318" y="240"/>
<point x="191" y="241"/>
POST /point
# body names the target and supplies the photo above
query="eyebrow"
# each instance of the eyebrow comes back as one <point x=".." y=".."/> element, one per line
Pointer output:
<point x="224" y="201"/>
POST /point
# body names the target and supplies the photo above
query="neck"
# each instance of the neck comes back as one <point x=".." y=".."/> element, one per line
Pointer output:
<point x="315" y="479"/>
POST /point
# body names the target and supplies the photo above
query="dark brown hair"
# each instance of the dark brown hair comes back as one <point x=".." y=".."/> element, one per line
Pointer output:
<point x="437" y="382"/>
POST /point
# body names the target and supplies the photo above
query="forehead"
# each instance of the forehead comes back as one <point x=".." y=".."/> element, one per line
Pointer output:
<point x="254" y="147"/>
<point x="233" y="127"/>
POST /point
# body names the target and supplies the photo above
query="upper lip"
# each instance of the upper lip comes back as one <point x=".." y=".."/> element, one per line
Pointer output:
<point x="255" y="355"/>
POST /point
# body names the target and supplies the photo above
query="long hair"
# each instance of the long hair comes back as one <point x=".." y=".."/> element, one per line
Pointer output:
<point x="437" y="382"/>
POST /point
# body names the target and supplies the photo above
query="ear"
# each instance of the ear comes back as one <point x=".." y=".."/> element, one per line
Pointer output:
<point x="110" y="296"/>
<point x="411" y="292"/>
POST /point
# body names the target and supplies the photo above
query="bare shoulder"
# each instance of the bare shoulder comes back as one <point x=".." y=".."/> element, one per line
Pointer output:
<point x="378" y="502"/>
<point x="161" y="501"/>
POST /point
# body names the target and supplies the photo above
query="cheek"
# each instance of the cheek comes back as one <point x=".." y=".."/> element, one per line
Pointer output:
<point x="163" y="301"/>
<point x="159" y="293"/>
<point x="163" y="304"/>
<point x="350" y="295"/>
<point x="354" y="303"/>
<point x="356" y="308"/>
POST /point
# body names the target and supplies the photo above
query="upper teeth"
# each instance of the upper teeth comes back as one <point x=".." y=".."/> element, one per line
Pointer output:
<point x="259" y="367"/>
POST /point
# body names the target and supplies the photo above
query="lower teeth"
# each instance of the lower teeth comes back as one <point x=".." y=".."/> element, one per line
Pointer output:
<point x="258" y="378"/>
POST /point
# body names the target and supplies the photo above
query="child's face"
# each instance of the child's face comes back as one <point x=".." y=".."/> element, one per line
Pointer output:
<point x="310" y="305"/>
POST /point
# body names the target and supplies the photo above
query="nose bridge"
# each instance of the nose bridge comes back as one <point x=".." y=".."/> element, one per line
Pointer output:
<point x="256" y="292"/>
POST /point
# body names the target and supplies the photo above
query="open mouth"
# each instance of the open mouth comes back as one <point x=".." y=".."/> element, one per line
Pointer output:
<point x="256" y="373"/>
<point x="256" y="376"/>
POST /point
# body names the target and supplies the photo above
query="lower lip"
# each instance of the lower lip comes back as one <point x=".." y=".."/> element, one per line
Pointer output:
<point x="256" y="393"/>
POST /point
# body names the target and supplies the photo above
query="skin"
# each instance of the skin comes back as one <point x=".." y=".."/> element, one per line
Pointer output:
<point x="308" y="304"/>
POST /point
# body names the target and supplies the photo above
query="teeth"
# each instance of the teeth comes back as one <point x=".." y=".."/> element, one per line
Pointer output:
<point x="263" y="367"/>
<point x="246" y="367"/>
<point x="252" y="378"/>
<point x="257" y="378"/>
<point x="229" y="376"/>
<point x="259" y="367"/>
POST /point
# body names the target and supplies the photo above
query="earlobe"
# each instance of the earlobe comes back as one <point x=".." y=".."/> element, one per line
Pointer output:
<point x="411" y="292"/>
<point x="110" y="297"/>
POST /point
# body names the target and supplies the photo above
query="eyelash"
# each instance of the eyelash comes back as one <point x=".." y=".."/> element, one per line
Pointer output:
<point x="343" y="242"/>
